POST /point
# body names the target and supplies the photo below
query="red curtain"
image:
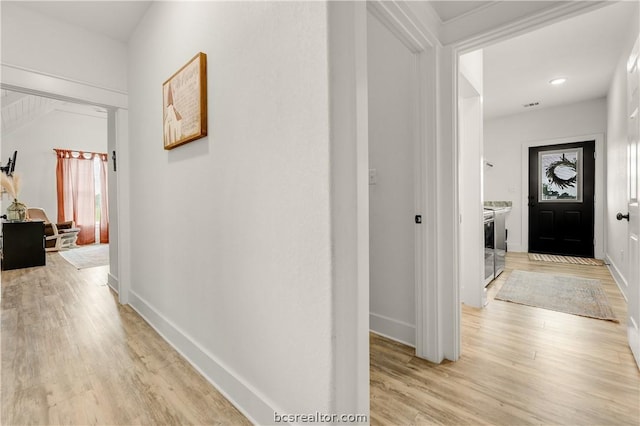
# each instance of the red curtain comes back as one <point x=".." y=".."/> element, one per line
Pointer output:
<point x="77" y="194"/>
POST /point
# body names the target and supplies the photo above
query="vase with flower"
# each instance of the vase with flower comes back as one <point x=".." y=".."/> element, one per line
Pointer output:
<point x="17" y="211"/>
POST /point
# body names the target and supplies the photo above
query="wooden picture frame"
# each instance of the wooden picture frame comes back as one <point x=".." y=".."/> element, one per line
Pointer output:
<point x="184" y="100"/>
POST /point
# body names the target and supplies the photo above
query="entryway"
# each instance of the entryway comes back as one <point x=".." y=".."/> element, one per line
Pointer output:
<point x="561" y="199"/>
<point x="520" y="365"/>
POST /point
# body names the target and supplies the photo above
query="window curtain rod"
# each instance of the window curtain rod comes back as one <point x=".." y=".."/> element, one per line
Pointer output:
<point x="82" y="155"/>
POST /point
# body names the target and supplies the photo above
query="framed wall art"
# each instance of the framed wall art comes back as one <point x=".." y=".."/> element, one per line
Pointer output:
<point x="184" y="98"/>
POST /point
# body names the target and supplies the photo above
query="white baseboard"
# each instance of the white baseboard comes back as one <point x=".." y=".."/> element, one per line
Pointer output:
<point x="112" y="282"/>
<point x="393" y="329"/>
<point x="618" y="277"/>
<point x="516" y="248"/>
<point x="241" y="394"/>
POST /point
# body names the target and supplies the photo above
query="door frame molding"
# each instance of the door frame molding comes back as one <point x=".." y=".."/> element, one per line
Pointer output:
<point x="116" y="102"/>
<point x="598" y="194"/>
<point x="61" y="88"/>
<point x="400" y="20"/>
<point x="448" y="123"/>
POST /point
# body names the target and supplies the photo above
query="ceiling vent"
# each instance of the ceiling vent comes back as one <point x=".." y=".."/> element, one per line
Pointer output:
<point x="532" y="104"/>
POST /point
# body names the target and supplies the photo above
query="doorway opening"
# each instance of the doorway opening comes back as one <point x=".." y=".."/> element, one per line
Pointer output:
<point x="392" y="73"/>
<point x="88" y="102"/>
<point x="400" y="163"/>
<point x="62" y="148"/>
<point x="561" y="199"/>
<point x="545" y="115"/>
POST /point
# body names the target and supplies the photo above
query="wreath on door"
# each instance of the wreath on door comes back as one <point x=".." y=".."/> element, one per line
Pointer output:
<point x="559" y="181"/>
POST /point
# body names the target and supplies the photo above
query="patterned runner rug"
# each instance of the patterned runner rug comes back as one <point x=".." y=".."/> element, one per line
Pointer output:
<point x="562" y="293"/>
<point x="565" y="259"/>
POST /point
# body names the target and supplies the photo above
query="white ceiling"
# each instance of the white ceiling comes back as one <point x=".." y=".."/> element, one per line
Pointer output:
<point x="114" y="19"/>
<point x="584" y="49"/>
<point x="20" y="109"/>
<point x="448" y="10"/>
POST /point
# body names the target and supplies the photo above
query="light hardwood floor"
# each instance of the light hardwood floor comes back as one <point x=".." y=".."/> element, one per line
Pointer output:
<point x="520" y="365"/>
<point x="72" y="355"/>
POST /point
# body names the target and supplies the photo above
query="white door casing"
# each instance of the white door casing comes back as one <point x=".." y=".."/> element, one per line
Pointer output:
<point x="633" y="212"/>
<point x="401" y="22"/>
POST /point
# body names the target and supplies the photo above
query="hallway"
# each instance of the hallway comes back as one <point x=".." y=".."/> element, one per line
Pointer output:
<point x="519" y="365"/>
<point x="72" y="355"/>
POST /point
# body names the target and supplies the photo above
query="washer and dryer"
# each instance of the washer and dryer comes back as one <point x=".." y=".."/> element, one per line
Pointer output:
<point x="495" y="243"/>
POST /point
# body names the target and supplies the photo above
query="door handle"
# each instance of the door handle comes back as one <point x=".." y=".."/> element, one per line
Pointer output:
<point x="621" y="216"/>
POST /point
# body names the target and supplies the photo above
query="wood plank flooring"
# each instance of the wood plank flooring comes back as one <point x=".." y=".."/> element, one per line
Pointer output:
<point x="72" y="355"/>
<point x="520" y="365"/>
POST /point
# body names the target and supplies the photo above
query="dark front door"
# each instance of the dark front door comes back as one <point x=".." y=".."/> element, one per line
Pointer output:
<point x="561" y="212"/>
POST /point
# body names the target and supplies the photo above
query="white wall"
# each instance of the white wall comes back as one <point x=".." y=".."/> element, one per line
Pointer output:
<point x="36" y="42"/>
<point x="392" y="141"/>
<point x="617" y="168"/>
<point x="36" y="160"/>
<point x="471" y="68"/>
<point x="230" y="234"/>
<point x="470" y="160"/>
<point x="503" y="139"/>
<point x="349" y="158"/>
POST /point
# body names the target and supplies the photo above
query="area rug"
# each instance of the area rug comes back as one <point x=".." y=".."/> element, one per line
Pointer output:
<point x="565" y="259"/>
<point x="572" y="295"/>
<point x="87" y="256"/>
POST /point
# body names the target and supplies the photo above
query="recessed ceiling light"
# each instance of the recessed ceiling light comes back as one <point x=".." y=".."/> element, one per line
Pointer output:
<point x="558" y="81"/>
